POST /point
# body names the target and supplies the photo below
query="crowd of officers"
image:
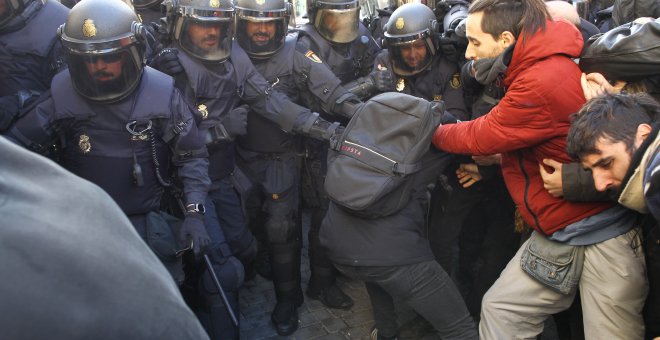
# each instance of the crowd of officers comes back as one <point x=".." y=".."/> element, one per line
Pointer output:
<point x="218" y="112"/>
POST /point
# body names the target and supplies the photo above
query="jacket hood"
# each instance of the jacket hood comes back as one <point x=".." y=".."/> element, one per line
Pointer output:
<point x="559" y="37"/>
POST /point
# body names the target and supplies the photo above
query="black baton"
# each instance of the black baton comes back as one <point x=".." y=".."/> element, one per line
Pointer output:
<point x="209" y="267"/>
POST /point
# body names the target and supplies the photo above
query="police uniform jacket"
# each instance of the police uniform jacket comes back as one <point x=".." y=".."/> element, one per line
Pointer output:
<point x="303" y="78"/>
<point x="97" y="145"/>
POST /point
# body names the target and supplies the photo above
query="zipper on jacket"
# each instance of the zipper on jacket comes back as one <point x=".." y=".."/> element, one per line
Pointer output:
<point x="527" y="180"/>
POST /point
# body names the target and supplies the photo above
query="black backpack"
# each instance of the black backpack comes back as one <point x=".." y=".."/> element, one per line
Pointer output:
<point x="371" y="163"/>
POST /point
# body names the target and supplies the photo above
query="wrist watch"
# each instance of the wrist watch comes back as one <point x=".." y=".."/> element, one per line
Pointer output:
<point x="195" y="208"/>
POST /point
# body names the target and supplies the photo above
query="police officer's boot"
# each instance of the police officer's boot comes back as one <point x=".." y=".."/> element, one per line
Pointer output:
<point x="212" y="312"/>
<point x="322" y="283"/>
<point x="285" y="261"/>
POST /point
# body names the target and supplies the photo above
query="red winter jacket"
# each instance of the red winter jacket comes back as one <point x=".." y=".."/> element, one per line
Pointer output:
<point x="531" y="123"/>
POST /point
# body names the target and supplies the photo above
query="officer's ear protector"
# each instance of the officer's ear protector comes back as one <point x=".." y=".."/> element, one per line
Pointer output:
<point x="289" y="11"/>
<point x="60" y="30"/>
<point x="168" y="9"/>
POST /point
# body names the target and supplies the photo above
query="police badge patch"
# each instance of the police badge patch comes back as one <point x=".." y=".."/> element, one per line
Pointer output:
<point x="88" y="28"/>
<point x="203" y="110"/>
<point x="400" y="84"/>
<point x="455" y="81"/>
<point x="84" y="144"/>
<point x="399" y="23"/>
<point x="313" y="57"/>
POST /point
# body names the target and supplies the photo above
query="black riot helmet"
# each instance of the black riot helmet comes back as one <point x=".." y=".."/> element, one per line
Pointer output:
<point x="9" y="9"/>
<point x="336" y="20"/>
<point x="104" y="42"/>
<point x="261" y="26"/>
<point x="144" y="4"/>
<point x="203" y="28"/>
<point x="412" y="37"/>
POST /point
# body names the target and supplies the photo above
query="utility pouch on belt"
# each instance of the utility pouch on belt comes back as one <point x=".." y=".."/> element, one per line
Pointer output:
<point x="217" y="134"/>
<point x="162" y="231"/>
<point x="556" y="265"/>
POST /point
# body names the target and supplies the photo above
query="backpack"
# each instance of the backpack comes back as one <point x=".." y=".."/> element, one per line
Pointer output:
<point x="370" y="165"/>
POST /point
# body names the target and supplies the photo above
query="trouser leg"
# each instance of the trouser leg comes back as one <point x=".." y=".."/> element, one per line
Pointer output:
<point x="384" y="311"/>
<point x="613" y="288"/>
<point x="516" y="305"/>
<point x="322" y="283"/>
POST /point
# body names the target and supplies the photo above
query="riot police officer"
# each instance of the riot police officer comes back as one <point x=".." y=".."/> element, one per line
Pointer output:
<point x="30" y="53"/>
<point x="216" y="74"/>
<point x="412" y="38"/>
<point x="335" y="36"/>
<point x="114" y="130"/>
<point x="271" y="155"/>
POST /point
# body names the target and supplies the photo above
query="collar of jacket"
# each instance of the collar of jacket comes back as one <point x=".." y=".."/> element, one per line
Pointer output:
<point x="559" y="38"/>
<point x="632" y="195"/>
<point x="487" y="70"/>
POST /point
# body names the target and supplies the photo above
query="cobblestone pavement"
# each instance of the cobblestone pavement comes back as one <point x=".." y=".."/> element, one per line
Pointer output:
<point x="257" y="299"/>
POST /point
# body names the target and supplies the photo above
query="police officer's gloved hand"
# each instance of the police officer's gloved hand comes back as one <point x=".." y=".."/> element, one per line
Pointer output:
<point x="236" y="121"/>
<point x="323" y="130"/>
<point x="167" y="61"/>
<point x="381" y="78"/>
<point x="445" y="116"/>
<point x="193" y="228"/>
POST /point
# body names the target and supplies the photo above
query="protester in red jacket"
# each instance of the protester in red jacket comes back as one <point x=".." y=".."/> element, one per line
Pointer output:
<point x="516" y="42"/>
<point x="530" y="123"/>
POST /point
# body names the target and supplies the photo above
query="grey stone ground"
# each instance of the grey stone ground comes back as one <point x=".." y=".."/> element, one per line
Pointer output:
<point x="257" y="300"/>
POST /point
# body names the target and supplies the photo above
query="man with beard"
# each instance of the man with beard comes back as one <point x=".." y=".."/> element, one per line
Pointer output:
<point x="415" y="61"/>
<point x="272" y="155"/>
<point x="616" y="137"/>
<point x="532" y="55"/>
<point x="104" y="116"/>
<point x="216" y="75"/>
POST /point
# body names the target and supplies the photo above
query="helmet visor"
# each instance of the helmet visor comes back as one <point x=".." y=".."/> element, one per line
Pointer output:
<point x="338" y="25"/>
<point x="104" y="76"/>
<point x="261" y="38"/>
<point x="209" y="40"/>
<point x="411" y="57"/>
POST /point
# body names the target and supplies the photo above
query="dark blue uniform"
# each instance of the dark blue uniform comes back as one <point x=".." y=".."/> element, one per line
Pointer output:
<point x="30" y="54"/>
<point x="272" y="158"/>
<point x="348" y="62"/>
<point x="216" y="89"/>
<point x="133" y="167"/>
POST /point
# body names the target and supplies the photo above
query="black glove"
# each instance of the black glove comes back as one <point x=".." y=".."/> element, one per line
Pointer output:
<point x="167" y="61"/>
<point x="445" y="116"/>
<point x="382" y="80"/>
<point x="236" y="121"/>
<point x="324" y="130"/>
<point x="193" y="229"/>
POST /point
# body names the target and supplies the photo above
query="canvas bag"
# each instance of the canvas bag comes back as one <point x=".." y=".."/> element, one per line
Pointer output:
<point x="371" y="163"/>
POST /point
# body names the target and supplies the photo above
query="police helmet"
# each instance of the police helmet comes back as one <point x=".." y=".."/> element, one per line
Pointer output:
<point x="144" y="4"/>
<point x="9" y="9"/>
<point x="203" y="28"/>
<point x="270" y="18"/>
<point x="412" y="38"/>
<point x="104" y="42"/>
<point x="336" y="20"/>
